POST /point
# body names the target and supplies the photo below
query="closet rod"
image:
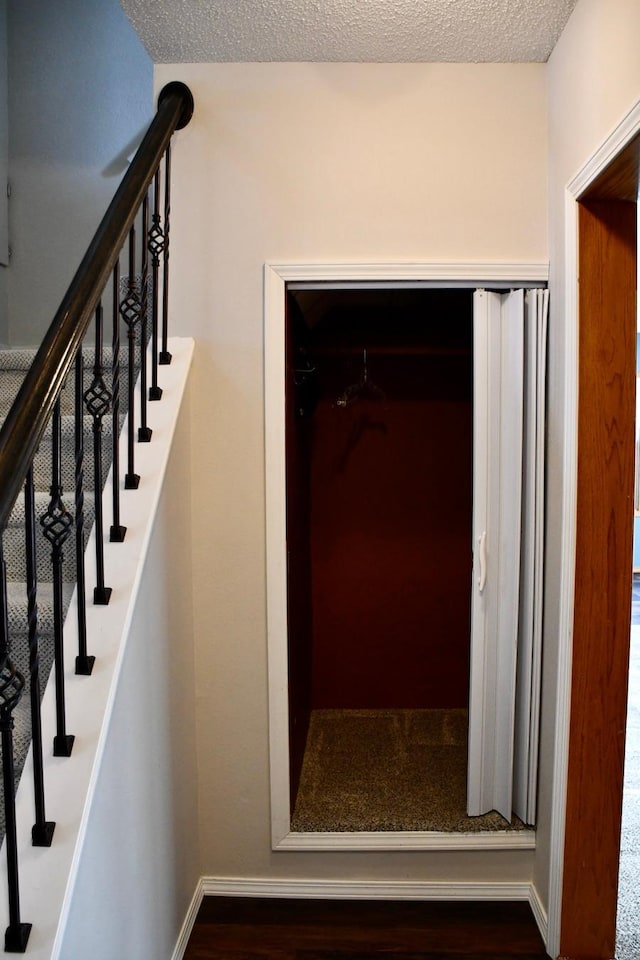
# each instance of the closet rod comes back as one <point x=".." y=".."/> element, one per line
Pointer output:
<point x="389" y="350"/>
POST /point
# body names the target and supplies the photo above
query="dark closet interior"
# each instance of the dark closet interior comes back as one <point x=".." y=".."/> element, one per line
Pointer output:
<point x="379" y="423"/>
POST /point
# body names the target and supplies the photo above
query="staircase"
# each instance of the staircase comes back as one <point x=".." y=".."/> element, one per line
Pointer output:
<point x="13" y="368"/>
<point x="103" y="719"/>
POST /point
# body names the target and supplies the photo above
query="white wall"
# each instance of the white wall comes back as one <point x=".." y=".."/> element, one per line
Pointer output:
<point x="139" y="866"/>
<point x="315" y="162"/>
<point x="593" y="81"/>
<point x="80" y="96"/>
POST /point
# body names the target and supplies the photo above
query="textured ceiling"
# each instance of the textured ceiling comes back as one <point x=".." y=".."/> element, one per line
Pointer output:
<point x="191" y="31"/>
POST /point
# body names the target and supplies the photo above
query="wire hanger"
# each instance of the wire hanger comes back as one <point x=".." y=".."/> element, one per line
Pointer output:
<point x="365" y="388"/>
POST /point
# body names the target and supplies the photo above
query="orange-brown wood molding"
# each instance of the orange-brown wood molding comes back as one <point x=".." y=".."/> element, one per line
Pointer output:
<point x="620" y="179"/>
<point x="606" y="441"/>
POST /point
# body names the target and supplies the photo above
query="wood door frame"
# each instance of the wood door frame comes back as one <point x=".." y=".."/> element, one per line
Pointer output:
<point x="585" y="857"/>
<point x="602" y="611"/>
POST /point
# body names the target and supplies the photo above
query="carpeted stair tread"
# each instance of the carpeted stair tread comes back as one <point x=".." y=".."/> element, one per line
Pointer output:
<point x="13" y="372"/>
<point x="42" y="498"/>
<point x="14" y="538"/>
<point x="19" y="651"/>
<point x="42" y="459"/>
<point x="21" y="359"/>
<point x="18" y="606"/>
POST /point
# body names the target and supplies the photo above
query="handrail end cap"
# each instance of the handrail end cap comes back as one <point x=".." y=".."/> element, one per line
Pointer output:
<point x="180" y="88"/>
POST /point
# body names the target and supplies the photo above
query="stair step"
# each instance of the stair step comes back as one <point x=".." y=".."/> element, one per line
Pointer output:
<point x="41" y="502"/>
<point x="14" y="539"/>
<point x="21" y="360"/>
<point x="14" y="365"/>
<point x="42" y="459"/>
<point x="17" y="614"/>
<point x="19" y="652"/>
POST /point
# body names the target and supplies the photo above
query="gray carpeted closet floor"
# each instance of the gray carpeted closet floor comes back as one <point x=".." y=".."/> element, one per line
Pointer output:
<point x="628" y="933"/>
<point x="370" y="770"/>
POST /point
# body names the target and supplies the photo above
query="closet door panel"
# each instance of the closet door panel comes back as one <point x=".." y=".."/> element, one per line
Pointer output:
<point x="498" y="409"/>
<point x="480" y="705"/>
<point x="530" y="620"/>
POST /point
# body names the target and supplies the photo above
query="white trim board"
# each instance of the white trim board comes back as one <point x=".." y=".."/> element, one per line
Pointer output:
<point x="295" y="888"/>
<point x="276" y="276"/>
<point x="623" y="133"/>
<point x="409" y="272"/>
<point x="189" y="922"/>
<point x="410" y="840"/>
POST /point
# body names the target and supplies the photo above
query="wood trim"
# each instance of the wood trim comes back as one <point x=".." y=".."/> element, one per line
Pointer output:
<point x="619" y="181"/>
<point x="586" y="183"/>
<point x="606" y="416"/>
<point x="594" y="167"/>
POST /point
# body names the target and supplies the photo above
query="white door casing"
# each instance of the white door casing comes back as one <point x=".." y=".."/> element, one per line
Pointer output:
<point x="441" y="274"/>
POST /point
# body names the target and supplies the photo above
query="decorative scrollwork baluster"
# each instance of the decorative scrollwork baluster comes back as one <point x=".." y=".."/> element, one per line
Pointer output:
<point x="156" y="247"/>
<point x="165" y="356"/>
<point x="42" y="830"/>
<point x="84" y="663"/>
<point x="56" y="524"/>
<point x="144" y="431"/>
<point x="117" y="532"/>
<point x="98" y="401"/>
<point x="130" y="310"/>
<point x="11" y="688"/>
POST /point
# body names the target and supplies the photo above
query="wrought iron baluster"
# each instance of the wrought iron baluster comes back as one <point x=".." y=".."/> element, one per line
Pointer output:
<point x="11" y="687"/>
<point x="117" y="532"/>
<point x="84" y="663"/>
<point x="56" y="524"/>
<point x="165" y="356"/>
<point x="130" y="313"/>
<point x="98" y="401"/>
<point x="144" y="431"/>
<point x="42" y="830"/>
<point x="156" y="246"/>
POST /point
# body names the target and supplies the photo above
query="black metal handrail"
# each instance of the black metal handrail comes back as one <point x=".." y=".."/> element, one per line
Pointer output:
<point x="28" y="418"/>
<point x="38" y="404"/>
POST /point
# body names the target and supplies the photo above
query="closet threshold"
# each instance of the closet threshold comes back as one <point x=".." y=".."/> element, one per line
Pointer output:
<point x="409" y="840"/>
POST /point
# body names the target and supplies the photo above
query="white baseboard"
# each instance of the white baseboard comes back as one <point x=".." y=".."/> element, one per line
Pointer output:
<point x="539" y="913"/>
<point x="364" y="889"/>
<point x="189" y="921"/>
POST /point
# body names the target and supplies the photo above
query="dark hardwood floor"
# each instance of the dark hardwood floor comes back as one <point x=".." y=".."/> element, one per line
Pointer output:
<point x="234" y="928"/>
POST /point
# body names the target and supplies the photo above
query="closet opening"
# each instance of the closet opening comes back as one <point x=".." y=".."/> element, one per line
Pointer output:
<point x="379" y="388"/>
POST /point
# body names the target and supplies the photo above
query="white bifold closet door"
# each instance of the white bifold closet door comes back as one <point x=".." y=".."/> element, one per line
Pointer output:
<point x="509" y="369"/>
